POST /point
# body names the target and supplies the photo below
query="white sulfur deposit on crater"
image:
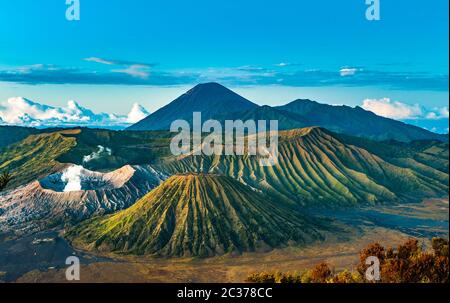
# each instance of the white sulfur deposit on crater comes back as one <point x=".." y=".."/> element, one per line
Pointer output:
<point x="77" y="178"/>
<point x="74" y="194"/>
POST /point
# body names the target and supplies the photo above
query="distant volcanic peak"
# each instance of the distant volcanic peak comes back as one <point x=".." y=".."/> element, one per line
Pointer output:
<point x="303" y="104"/>
<point x="210" y="99"/>
<point x="197" y="215"/>
<point x="210" y="87"/>
<point x="217" y="93"/>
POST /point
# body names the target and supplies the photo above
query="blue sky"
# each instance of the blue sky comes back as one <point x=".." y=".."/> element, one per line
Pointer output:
<point x="143" y="51"/>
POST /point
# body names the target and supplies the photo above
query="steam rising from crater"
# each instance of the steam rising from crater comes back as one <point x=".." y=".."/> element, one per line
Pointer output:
<point x="72" y="178"/>
<point x="73" y="175"/>
<point x="97" y="154"/>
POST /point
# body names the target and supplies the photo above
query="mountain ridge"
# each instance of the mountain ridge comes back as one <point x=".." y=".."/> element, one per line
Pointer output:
<point x="356" y="121"/>
<point x="211" y="99"/>
<point x="208" y="98"/>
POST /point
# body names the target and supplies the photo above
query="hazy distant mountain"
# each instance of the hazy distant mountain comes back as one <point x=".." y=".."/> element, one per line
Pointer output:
<point x="357" y="122"/>
<point x="286" y="120"/>
<point x="198" y="215"/>
<point x="210" y="99"/>
<point x="220" y="103"/>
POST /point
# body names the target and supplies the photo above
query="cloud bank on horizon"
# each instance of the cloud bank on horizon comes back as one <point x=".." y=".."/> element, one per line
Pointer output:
<point x="401" y="111"/>
<point x="122" y="72"/>
<point x="23" y="112"/>
<point x="434" y="119"/>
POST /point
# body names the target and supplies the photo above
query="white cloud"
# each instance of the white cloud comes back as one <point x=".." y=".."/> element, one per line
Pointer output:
<point x="24" y="112"/>
<point x="28" y="69"/>
<point x="137" y="113"/>
<point x="397" y="110"/>
<point x="286" y="64"/>
<point x="347" y="71"/>
<point x="282" y="64"/>
<point x="135" y="70"/>
<point x="442" y="112"/>
<point x="99" y="60"/>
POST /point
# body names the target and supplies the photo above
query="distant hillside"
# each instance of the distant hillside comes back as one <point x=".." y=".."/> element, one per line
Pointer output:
<point x="210" y="99"/>
<point x="317" y="168"/>
<point x="197" y="215"/>
<point x="127" y="148"/>
<point x="286" y="120"/>
<point x="13" y="134"/>
<point x="35" y="156"/>
<point x="357" y="122"/>
<point x="418" y="154"/>
<point x="40" y="155"/>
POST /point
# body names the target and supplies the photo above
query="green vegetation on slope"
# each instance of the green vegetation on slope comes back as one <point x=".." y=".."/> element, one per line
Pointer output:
<point x="316" y="168"/>
<point x="12" y="134"/>
<point x="127" y="148"/>
<point x="416" y="153"/>
<point x="35" y="156"/>
<point x="40" y="155"/>
<point x="5" y="178"/>
<point x="197" y="215"/>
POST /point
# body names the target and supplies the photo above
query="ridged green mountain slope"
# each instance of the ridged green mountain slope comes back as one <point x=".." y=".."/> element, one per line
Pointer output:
<point x="35" y="156"/>
<point x="316" y="168"/>
<point x="197" y="215"/>
<point x="42" y="154"/>
<point x="421" y="153"/>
